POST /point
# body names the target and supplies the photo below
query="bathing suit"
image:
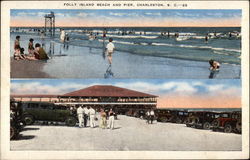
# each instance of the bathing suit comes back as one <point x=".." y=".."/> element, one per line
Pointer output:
<point x="110" y="54"/>
<point x="17" y="45"/>
<point x="31" y="46"/>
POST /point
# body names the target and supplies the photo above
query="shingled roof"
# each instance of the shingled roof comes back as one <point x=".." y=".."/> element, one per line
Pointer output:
<point x="106" y="91"/>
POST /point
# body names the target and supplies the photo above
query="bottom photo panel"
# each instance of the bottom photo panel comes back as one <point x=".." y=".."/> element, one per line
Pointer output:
<point x="125" y="115"/>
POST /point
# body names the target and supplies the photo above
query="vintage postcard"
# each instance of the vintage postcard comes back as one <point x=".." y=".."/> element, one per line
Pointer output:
<point x="124" y="79"/>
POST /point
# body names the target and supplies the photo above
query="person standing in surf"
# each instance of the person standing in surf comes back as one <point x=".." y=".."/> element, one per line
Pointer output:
<point x="206" y="39"/>
<point x="110" y="49"/>
<point x="62" y="36"/>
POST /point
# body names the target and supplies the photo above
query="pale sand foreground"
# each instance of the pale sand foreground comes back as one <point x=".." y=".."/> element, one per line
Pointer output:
<point x="27" y="69"/>
<point x="131" y="134"/>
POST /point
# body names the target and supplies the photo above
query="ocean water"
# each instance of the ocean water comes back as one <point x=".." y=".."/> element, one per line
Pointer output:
<point x="223" y="45"/>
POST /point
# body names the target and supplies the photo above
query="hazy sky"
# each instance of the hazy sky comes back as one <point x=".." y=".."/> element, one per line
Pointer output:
<point x="121" y="17"/>
<point x="172" y="93"/>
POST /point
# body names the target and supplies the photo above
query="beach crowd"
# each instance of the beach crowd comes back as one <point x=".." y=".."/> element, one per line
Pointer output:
<point x="107" y="117"/>
<point x="34" y="53"/>
<point x="88" y="115"/>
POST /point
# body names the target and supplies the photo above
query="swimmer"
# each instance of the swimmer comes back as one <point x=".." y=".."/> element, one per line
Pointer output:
<point x="214" y="65"/>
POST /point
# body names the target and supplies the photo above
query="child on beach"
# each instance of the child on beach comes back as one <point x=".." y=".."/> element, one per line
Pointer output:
<point x="110" y="49"/>
<point x="214" y="65"/>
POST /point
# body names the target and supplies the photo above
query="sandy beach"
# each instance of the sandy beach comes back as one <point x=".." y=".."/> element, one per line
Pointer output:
<point x="130" y="134"/>
<point x="27" y="69"/>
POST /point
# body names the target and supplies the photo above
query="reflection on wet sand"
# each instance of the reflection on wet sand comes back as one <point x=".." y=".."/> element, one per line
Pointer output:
<point x="213" y="74"/>
<point x="108" y="73"/>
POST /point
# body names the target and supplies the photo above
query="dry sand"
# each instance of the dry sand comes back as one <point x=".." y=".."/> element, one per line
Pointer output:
<point x="131" y="134"/>
<point x="27" y="69"/>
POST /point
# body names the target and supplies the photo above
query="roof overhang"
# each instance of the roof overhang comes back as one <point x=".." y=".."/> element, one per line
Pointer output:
<point x="102" y="103"/>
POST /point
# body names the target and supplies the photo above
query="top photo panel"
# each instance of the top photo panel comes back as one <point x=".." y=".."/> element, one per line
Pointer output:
<point x="126" y="43"/>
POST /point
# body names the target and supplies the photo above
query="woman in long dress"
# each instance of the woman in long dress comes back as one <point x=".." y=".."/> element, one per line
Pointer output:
<point x="103" y="122"/>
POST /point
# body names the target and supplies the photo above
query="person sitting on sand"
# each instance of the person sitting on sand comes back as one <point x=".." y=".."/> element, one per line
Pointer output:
<point x="17" y="48"/>
<point x="17" y="43"/>
<point x="110" y="49"/>
<point x="40" y="53"/>
<point x="31" y="48"/>
<point x="214" y="65"/>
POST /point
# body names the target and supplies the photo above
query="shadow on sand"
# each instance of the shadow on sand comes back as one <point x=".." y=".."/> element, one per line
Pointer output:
<point x="28" y="128"/>
<point x="24" y="137"/>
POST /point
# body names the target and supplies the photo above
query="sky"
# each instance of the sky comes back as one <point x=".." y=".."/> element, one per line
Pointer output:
<point x="184" y="93"/>
<point x="129" y="18"/>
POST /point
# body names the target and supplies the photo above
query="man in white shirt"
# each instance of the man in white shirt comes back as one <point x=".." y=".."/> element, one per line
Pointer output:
<point x="92" y="117"/>
<point x="110" y="49"/>
<point x="152" y="116"/>
<point x="86" y="116"/>
<point x="111" y="119"/>
<point x="80" y="115"/>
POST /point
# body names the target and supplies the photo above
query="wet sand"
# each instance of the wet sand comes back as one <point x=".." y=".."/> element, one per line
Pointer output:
<point x="89" y="63"/>
<point x="27" y="69"/>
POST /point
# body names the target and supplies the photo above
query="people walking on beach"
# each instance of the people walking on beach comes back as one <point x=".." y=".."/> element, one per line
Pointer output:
<point x="103" y="119"/>
<point x="80" y="115"/>
<point x="92" y="117"/>
<point x="86" y="115"/>
<point x="111" y="119"/>
<point x="62" y="36"/>
<point x="214" y="65"/>
<point x="152" y="116"/>
<point x="110" y="49"/>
